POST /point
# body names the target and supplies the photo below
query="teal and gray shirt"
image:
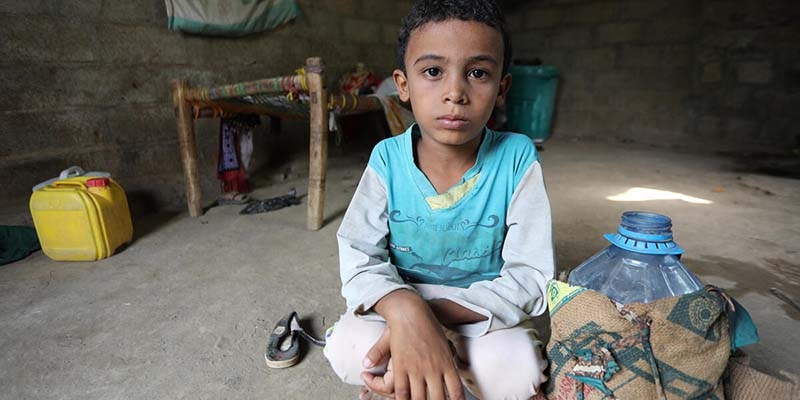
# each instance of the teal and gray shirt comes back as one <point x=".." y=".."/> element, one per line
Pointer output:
<point x="489" y="235"/>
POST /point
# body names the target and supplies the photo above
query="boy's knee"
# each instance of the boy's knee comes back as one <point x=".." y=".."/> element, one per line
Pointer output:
<point x="347" y="343"/>
<point x="514" y="381"/>
<point x="515" y="370"/>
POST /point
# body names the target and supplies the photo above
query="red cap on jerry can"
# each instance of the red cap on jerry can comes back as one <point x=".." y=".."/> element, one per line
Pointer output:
<point x="98" y="182"/>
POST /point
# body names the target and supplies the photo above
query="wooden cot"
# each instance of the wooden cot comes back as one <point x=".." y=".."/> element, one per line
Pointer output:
<point x="295" y="96"/>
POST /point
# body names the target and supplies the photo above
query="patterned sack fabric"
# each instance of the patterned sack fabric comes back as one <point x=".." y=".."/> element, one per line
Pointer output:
<point x="673" y="348"/>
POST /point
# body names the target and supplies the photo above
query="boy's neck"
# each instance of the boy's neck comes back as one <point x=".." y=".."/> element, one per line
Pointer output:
<point x="445" y="165"/>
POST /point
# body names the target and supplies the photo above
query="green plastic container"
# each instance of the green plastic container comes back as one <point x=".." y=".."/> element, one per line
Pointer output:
<point x="530" y="102"/>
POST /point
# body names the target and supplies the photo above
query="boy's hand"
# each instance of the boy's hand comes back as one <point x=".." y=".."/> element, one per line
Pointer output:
<point x="380" y="352"/>
<point x="422" y="363"/>
<point x="382" y="385"/>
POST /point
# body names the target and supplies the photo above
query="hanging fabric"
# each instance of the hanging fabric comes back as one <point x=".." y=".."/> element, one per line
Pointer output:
<point x="235" y="150"/>
<point x="229" y="17"/>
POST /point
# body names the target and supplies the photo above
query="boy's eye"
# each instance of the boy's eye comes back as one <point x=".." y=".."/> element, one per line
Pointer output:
<point x="477" y="74"/>
<point x="432" y="72"/>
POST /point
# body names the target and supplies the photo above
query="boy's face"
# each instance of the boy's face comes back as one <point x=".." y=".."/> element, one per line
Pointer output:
<point x="453" y="79"/>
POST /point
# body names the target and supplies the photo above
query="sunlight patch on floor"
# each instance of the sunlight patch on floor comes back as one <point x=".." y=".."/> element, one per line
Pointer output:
<point x="647" y="194"/>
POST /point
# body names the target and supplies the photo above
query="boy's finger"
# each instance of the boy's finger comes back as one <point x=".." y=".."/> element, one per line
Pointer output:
<point x="419" y="389"/>
<point x="379" y="352"/>
<point x="436" y="390"/>
<point x="402" y="388"/>
<point x="367" y="394"/>
<point x="455" y="390"/>
<point x="382" y="385"/>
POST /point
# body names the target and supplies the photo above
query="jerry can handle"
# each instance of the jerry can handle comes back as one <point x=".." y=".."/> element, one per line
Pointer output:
<point x="71" y="171"/>
<point x="68" y="184"/>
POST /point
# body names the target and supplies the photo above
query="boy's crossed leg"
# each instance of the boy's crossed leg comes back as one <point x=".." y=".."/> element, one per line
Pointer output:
<point x="503" y="364"/>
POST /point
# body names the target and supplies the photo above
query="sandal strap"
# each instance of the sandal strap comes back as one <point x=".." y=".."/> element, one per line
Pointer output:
<point x="294" y="323"/>
<point x="311" y="339"/>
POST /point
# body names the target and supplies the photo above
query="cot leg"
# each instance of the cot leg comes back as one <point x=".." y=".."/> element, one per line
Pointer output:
<point x="186" y="142"/>
<point x="318" y="146"/>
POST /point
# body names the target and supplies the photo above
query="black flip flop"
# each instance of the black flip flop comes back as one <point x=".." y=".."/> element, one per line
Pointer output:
<point x="283" y="349"/>
<point x="233" y="198"/>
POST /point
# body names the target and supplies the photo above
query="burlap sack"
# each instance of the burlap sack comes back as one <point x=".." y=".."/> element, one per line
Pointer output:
<point x="675" y="348"/>
<point x="745" y="383"/>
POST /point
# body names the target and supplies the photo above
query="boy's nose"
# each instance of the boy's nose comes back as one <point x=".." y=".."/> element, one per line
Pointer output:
<point x="455" y="92"/>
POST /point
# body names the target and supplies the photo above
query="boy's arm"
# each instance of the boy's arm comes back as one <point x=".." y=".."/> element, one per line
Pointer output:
<point x="421" y="355"/>
<point x="519" y="292"/>
<point x="449" y="313"/>
<point x="367" y="276"/>
<point x="369" y="281"/>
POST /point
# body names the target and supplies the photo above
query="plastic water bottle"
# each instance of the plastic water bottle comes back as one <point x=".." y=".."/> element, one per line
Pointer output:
<point x="641" y="265"/>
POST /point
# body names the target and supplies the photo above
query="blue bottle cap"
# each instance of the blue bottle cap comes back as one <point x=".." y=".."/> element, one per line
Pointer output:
<point x="646" y="233"/>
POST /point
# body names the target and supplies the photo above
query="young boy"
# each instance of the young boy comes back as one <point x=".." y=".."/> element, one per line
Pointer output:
<point x="446" y="247"/>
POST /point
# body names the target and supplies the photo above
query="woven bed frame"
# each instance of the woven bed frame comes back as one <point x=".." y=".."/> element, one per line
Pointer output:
<point x="307" y="98"/>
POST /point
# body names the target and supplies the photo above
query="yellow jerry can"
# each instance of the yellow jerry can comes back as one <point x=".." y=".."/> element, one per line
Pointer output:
<point x="81" y="218"/>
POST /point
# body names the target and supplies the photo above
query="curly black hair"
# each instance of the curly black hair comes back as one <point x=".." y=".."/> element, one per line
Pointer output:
<point x="424" y="11"/>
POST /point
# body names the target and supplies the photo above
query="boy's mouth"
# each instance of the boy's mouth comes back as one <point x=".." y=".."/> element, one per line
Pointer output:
<point x="451" y="121"/>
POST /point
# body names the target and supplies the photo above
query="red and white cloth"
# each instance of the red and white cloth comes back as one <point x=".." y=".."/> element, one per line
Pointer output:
<point x="235" y="150"/>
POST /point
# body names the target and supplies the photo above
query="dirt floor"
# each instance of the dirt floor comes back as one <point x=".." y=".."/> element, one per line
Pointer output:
<point x="184" y="312"/>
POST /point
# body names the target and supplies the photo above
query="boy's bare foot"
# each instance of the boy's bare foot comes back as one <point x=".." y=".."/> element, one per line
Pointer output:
<point x="367" y="394"/>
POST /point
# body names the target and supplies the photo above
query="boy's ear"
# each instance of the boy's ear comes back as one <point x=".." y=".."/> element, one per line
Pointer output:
<point x="401" y="81"/>
<point x="502" y="91"/>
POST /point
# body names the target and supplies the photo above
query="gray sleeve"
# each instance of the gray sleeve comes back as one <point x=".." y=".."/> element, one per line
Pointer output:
<point x="529" y="263"/>
<point x="364" y="265"/>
